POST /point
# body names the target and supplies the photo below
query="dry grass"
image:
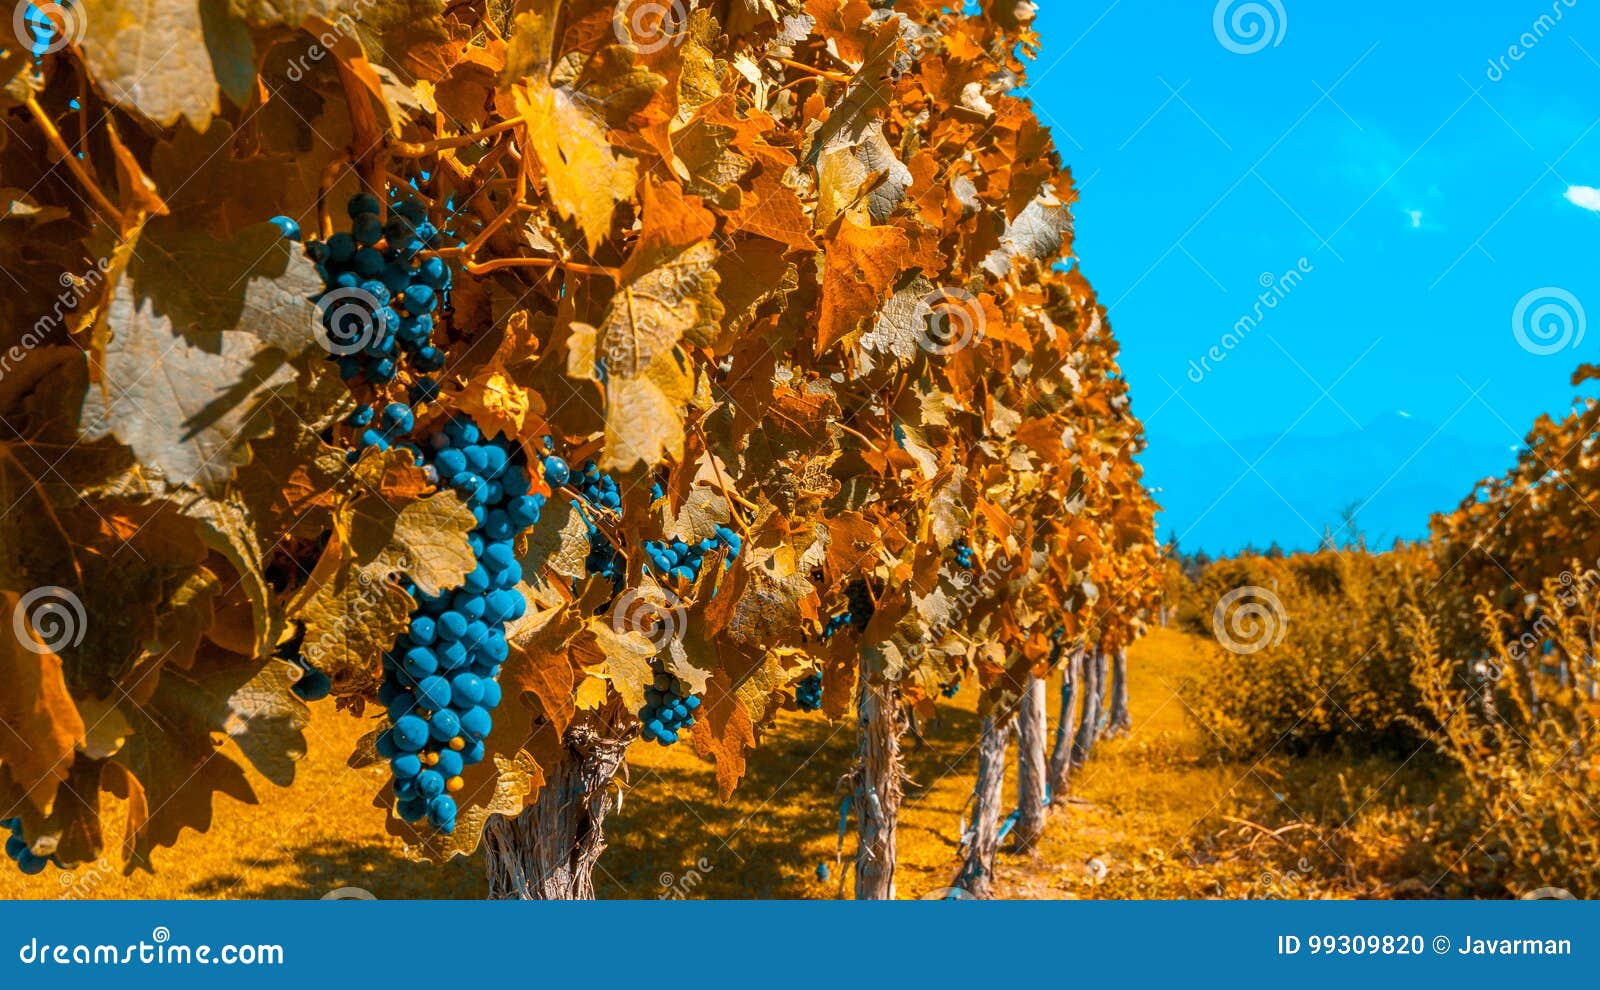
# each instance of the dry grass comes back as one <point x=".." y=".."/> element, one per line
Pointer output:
<point x="1144" y="820"/>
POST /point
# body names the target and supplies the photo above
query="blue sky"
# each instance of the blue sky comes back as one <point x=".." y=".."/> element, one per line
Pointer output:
<point x="1418" y="193"/>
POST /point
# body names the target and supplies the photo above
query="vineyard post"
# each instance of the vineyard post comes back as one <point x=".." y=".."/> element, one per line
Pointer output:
<point x="1121" y="721"/>
<point x="877" y="788"/>
<point x="1032" y="785"/>
<point x="1061" y="752"/>
<point x="977" y="872"/>
<point x="1094" y="666"/>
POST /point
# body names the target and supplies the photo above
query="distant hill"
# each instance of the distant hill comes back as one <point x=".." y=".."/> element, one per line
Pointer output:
<point x="1398" y="469"/>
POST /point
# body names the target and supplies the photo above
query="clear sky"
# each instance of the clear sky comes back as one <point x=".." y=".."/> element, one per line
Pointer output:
<point x="1419" y="177"/>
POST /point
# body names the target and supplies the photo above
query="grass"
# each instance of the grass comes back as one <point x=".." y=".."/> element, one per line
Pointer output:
<point x="1151" y="815"/>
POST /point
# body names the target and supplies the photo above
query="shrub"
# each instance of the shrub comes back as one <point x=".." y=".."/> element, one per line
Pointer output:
<point x="1322" y="659"/>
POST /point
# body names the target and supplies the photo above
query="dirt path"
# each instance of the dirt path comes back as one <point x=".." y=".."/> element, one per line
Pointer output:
<point x="1131" y="812"/>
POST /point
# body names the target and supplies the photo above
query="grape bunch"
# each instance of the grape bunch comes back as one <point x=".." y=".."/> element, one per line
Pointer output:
<point x="835" y="623"/>
<point x="952" y="689"/>
<point x="808" y="693"/>
<point x="599" y="490"/>
<point x="668" y="710"/>
<point x="861" y="604"/>
<point x="17" y="849"/>
<point x="965" y="555"/>
<point x="439" y="679"/>
<point x="380" y="297"/>
<point x="677" y="559"/>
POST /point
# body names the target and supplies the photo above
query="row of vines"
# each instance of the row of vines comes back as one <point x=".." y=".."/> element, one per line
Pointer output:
<point x="533" y="380"/>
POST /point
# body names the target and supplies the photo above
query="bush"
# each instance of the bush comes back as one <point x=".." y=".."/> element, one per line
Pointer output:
<point x="1309" y="652"/>
<point x="1520" y="722"/>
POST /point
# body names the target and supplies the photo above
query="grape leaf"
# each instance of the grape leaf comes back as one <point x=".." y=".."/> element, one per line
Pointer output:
<point x="160" y="58"/>
<point x="859" y="266"/>
<point x="187" y="409"/>
<point x="42" y="727"/>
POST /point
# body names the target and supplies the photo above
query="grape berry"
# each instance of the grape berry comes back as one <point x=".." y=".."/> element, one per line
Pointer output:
<point x="17" y="849"/>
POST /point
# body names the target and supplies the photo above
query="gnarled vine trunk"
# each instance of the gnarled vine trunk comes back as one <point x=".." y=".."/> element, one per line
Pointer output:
<point x="1066" y="726"/>
<point x="548" y="852"/>
<point x="977" y="872"/>
<point x="876" y="797"/>
<point x="1120" y="721"/>
<point x="1033" y="805"/>
<point x="1091" y="689"/>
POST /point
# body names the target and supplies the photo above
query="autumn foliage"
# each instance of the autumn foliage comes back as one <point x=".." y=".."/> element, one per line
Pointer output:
<point x="805" y="267"/>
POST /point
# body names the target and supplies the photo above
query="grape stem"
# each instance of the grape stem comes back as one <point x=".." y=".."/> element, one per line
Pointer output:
<point x="419" y="149"/>
<point x="53" y="136"/>
<point x="838" y="77"/>
<point x="330" y="175"/>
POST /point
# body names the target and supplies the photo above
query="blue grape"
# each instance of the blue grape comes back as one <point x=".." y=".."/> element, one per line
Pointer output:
<point x="362" y="202"/>
<point x="405" y="766"/>
<point x="409" y="733"/>
<point x="287" y="227"/>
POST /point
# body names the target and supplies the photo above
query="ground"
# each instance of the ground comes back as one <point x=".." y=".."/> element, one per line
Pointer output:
<point x="1152" y="815"/>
